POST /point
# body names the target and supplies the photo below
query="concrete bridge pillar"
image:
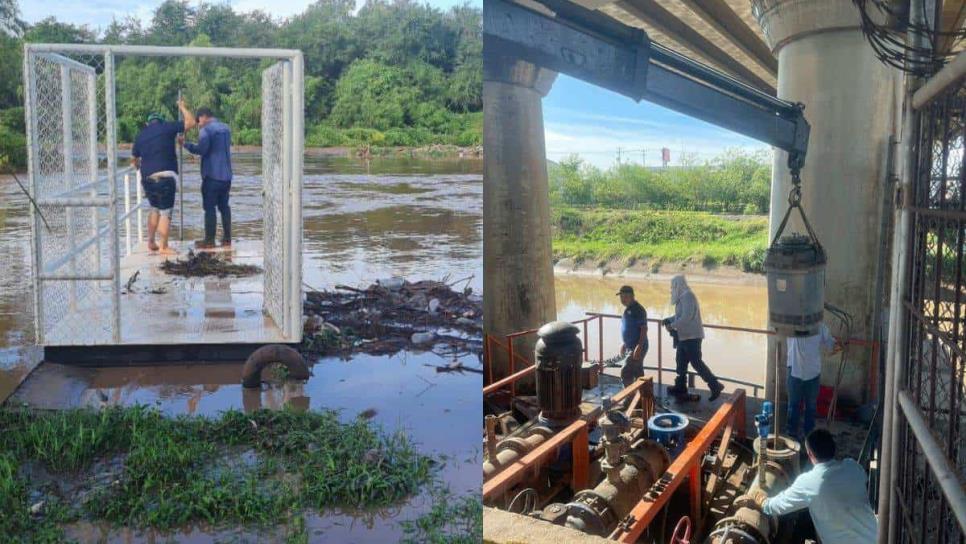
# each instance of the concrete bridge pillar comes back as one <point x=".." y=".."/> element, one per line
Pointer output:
<point x="851" y="101"/>
<point x="518" y="290"/>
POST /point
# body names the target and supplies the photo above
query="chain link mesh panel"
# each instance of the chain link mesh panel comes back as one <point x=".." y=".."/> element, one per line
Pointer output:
<point x="66" y="112"/>
<point x="274" y="187"/>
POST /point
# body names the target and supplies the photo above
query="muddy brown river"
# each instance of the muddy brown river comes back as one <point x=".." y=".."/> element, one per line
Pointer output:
<point x="731" y="354"/>
<point x="363" y="221"/>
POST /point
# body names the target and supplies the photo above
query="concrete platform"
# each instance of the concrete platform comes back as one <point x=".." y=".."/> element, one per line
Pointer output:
<point x="502" y="527"/>
<point x="166" y="310"/>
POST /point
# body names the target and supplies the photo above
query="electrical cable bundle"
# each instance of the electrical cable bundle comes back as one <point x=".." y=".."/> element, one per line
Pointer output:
<point x="889" y="40"/>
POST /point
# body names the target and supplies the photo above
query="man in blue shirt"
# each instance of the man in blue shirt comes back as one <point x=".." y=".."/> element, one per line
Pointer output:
<point x="214" y="148"/>
<point x="835" y="493"/>
<point x="153" y="153"/>
<point x="633" y="334"/>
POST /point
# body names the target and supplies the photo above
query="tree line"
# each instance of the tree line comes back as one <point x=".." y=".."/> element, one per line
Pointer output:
<point x="392" y="73"/>
<point x="736" y="181"/>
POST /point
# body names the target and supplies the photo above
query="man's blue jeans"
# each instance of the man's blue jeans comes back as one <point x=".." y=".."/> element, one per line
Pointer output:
<point x="801" y="392"/>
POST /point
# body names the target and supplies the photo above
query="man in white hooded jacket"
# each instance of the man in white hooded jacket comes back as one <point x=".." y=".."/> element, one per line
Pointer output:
<point x="686" y="325"/>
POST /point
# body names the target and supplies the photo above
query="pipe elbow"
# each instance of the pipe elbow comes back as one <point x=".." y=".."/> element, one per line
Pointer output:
<point x="273" y="353"/>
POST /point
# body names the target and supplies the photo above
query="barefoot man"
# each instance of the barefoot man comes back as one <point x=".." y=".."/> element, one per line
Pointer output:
<point x="154" y="154"/>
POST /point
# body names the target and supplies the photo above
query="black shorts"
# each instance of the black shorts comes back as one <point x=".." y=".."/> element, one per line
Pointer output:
<point x="160" y="193"/>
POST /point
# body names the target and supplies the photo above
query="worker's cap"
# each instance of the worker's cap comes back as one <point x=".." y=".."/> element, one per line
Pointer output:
<point x="626" y="289"/>
<point x="155" y="116"/>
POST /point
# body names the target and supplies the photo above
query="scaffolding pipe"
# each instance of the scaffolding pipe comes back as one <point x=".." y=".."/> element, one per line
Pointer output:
<point x="33" y="160"/>
<point x="946" y="475"/>
<point x="112" y="176"/>
<point x="127" y="212"/>
<point x="897" y="316"/>
<point x="951" y="75"/>
<point x="162" y="51"/>
<point x="140" y="200"/>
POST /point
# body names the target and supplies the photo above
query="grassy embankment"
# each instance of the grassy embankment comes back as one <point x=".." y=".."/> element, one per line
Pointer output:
<point x="135" y="467"/>
<point x="628" y="213"/>
<point x="659" y="237"/>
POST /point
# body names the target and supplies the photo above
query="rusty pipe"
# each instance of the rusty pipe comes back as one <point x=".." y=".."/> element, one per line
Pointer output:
<point x="273" y="353"/>
<point x="490" y="424"/>
<point x="510" y="449"/>
<point x="597" y="511"/>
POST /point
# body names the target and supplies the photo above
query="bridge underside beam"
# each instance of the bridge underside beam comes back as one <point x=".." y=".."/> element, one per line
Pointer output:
<point x="652" y="13"/>
<point x="719" y="15"/>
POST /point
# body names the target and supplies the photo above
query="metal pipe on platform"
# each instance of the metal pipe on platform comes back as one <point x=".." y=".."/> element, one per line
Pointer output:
<point x="511" y="449"/>
<point x="900" y="274"/>
<point x="946" y="475"/>
<point x="945" y="79"/>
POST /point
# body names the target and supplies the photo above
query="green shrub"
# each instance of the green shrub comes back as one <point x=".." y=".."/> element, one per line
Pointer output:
<point x="754" y="260"/>
<point x="369" y="136"/>
<point x="247" y="136"/>
<point x="13" y="119"/>
<point x="325" y="136"/>
<point x="13" y="149"/>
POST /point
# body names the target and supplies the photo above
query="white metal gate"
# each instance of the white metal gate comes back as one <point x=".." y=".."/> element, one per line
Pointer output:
<point x="282" y="129"/>
<point x="77" y="185"/>
<point x="73" y="253"/>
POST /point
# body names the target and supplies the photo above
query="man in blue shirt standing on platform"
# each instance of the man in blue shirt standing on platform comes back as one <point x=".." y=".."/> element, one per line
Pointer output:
<point x="214" y="148"/>
<point x="153" y="153"/>
<point x="633" y="334"/>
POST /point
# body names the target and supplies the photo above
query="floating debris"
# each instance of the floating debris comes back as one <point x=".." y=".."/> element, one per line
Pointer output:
<point x="207" y="264"/>
<point x="392" y="315"/>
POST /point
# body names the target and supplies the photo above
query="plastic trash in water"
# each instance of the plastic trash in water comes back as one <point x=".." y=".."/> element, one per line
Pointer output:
<point x="423" y="337"/>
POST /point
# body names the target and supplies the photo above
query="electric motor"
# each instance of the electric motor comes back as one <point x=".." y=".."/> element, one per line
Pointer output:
<point x="795" y="269"/>
<point x="558" y="362"/>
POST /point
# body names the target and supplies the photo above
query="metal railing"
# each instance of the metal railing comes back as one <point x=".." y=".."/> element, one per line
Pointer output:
<point x="516" y="360"/>
<point x="641" y="396"/>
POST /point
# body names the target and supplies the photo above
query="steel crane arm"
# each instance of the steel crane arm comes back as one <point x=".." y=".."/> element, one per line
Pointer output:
<point x="567" y="38"/>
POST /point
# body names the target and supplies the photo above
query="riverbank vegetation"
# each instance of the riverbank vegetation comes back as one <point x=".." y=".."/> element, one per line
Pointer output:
<point x="659" y="237"/>
<point x="137" y="468"/>
<point x="736" y="182"/>
<point x="710" y="213"/>
<point x="392" y="73"/>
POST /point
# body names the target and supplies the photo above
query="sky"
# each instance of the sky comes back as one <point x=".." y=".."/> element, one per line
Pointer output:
<point x="98" y="13"/>
<point x="593" y="123"/>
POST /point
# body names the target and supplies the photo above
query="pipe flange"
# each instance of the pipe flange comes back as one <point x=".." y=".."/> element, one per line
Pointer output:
<point x="515" y="444"/>
<point x="592" y="514"/>
<point x="735" y="525"/>
<point x="650" y="456"/>
<point x="749" y="521"/>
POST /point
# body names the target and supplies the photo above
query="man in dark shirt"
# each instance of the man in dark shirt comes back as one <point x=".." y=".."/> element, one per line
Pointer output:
<point x="633" y="334"/>
<point x="214" y="148"/>
<point x="154" y="155"/>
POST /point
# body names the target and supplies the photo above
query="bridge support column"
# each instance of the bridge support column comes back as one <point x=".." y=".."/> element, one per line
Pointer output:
<point x="518" y="290"/>
<point x="852" y="102"/>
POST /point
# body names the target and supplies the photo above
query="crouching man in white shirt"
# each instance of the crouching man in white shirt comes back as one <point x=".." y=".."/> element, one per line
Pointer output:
<point x="834" y="491"/>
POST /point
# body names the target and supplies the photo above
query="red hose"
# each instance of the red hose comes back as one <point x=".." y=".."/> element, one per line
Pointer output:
<point x="682" y="531"/>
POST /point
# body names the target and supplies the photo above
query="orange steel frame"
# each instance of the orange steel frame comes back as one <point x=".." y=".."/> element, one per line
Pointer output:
<point x="496" y="384"/>
<point x="575" y="434"/>
<point x="729" y="420"/>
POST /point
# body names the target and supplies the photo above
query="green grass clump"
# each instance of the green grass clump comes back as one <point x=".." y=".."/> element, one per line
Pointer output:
<point x="600" y="235"/>
<point x="136" y="467"/>
<point x="451" y="520"/>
